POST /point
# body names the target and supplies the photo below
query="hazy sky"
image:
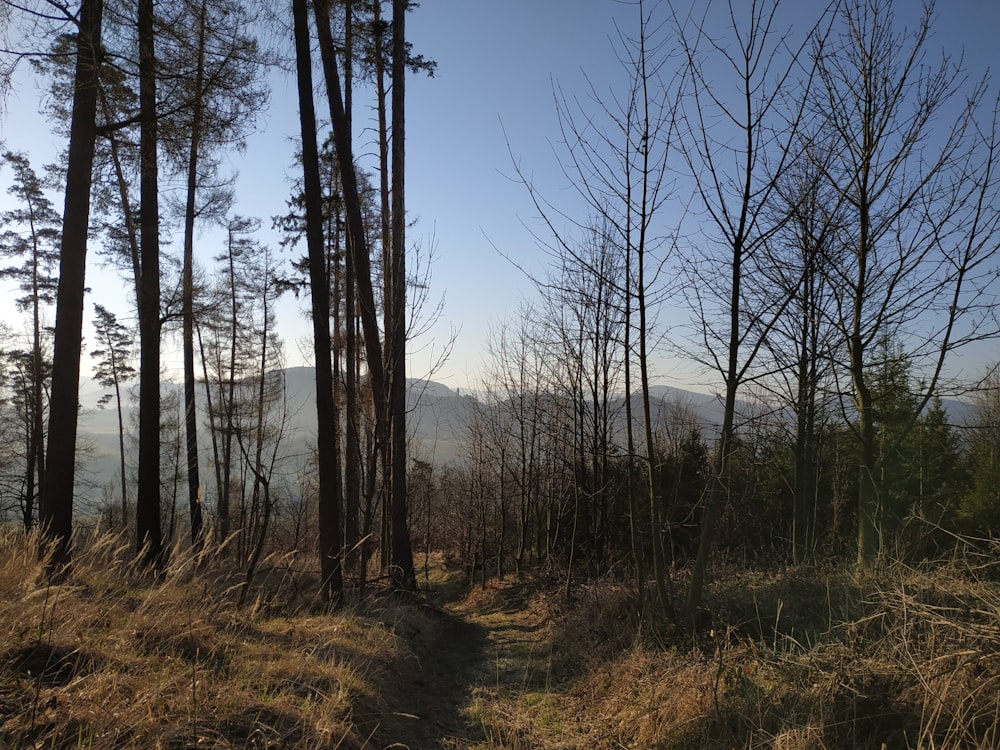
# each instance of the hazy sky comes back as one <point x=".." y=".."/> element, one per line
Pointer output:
<point x="491" y="98"/>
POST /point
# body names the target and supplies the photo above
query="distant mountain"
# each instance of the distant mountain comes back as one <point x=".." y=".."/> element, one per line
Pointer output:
<point x="437" y="421"/>
<point x="437" y="414"/>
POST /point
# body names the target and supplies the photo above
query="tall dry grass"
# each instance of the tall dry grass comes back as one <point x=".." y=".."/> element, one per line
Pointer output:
<point x="796" y="659"/>
<point x="113" y="658"/>
<point x="792" y="659"/>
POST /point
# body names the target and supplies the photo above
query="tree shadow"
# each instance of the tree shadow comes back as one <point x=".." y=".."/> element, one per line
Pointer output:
<point x="434" y="686"/>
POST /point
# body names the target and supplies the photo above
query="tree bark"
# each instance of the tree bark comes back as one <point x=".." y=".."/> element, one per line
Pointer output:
<point x="56" y="512"/>
<point x="149" y="539"/>
<point x="358" y="242"/>
<point x="329" y="511"/>
<point x="385" y="222"/>
<point x="352" y="447"/>
<point x="121" y="450"/>
<point x="36" y="457"/>
<point x="402" y="552"/>
<point x="187" y="295"/>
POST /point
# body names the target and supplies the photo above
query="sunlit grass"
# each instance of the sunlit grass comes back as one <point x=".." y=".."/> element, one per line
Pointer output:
<point x="796" y="659"/>
<point x="113" y="658"/>
<point x="793" y="658"/>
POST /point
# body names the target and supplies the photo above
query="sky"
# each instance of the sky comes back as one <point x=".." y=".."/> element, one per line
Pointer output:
<point x="496" y="64"/>
<point x="489" y="103"/>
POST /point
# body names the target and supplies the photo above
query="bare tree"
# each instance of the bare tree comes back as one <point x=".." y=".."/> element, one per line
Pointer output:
<point x="736" y="148"/>
<point x="582" y="321"/>
<point x="622" y="174"/>
<point x="794" y="368"/>
<point x="914" y="161"/>
<point x="516" y="376"/>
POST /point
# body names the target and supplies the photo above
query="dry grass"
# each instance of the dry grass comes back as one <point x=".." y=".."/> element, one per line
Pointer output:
<point x="800" y="659"/>
<point x="797" y="659"/>
<point x="111" y="659"/>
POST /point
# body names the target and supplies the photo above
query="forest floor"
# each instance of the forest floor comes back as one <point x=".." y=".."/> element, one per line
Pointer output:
<point x="113" y="659"/>
<point x="786" y="658"/>
<point x="796" y="659"/>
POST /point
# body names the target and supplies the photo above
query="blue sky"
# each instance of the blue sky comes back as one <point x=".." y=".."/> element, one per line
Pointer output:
<point x="497" y="61"/>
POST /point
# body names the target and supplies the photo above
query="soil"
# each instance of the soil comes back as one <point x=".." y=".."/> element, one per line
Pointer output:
<point x="473" y="652"/>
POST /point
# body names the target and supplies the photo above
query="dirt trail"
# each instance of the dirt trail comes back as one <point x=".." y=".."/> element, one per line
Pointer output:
<point x="474" y="653"/>
<point x="430" y="696"/>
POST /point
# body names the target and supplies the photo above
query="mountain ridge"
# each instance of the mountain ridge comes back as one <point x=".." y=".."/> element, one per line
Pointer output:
<point x="438" y="415"/>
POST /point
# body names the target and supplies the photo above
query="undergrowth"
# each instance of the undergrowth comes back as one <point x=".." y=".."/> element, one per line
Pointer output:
<point x="793" y="659"/>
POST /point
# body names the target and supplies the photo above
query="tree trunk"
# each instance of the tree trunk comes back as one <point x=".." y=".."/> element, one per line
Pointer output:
<point x="149" y="541"/>
<point x="228" y="396"/>
<point x="718" y="483"/>
<point x="329" y="511"/>
<point x="357" y="240"/>
<point x="630" y="479"/>
<point x="402" y="552"/>
<point x="385" y="217"/>
<point x="121" y="452"/>
<point x="357" y="243"/>
<point x="56" y="512"/>
<point x="659" y="569"/>
<point x="213" y="433"/>
<point x="352" y="447"/>
<point x="803" y="531"/>
<point x="36" y="460"/>
<point x="868" y="530"/>
<point x="187" y="295"/>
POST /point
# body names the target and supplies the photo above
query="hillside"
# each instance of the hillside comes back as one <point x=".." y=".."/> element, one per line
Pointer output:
<point x="438" y="419"/>
<point x="792" y="659"/>
<point x="438" y="416"/>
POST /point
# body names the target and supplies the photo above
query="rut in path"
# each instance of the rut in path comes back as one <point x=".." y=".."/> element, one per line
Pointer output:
<point x="429" y="697"/>
<point x="469" y="654"/>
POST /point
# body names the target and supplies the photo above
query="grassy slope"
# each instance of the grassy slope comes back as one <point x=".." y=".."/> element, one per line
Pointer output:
<point x="796" y="659"/>
<point x="792" y="659"/>
<point x="111" y="660"/>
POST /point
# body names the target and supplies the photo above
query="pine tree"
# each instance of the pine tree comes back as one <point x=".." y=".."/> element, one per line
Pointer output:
<point x="115" y="345"/>
<point x="31" y="235"/>
<point x="56" y="516"/>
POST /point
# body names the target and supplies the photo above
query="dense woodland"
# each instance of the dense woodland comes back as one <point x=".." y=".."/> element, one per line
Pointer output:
<point x="821" y="202"/>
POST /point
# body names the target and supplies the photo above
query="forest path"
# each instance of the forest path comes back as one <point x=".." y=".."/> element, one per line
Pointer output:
<point x="482" y="677"/>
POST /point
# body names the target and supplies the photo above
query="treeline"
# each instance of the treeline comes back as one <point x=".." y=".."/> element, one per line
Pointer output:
<point x="545" y="479"/>
<point x="807" y="212"/>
